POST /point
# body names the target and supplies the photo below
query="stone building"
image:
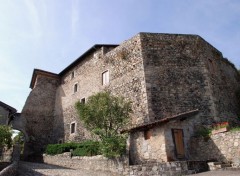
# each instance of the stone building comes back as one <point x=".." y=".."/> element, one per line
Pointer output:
<point x="177" y="83"/>
<point x="5" y="112"/>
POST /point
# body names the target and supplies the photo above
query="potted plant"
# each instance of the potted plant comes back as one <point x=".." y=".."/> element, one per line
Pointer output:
<point x="220" y="127"/>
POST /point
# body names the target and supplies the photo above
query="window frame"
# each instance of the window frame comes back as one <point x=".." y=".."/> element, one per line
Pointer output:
<point x="105" y="77"/>
<point x="75" y="87"/>
<point x="73" y="74"/>
<point x="73" y="130"/>
<point x="147" y="133"/>
<point x="83" y="100"/>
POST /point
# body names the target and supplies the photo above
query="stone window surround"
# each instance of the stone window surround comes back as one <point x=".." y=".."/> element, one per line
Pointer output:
<point x="83" y="100"/>
<point x="147" y="134"/>
<point x="75" y="87"/>
<point x="73" y="74"/>
<point x="75" y="127"/>
<point x="104" y="81"/>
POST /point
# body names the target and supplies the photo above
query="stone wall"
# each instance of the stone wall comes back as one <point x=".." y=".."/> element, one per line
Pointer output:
<point x="224" y="81"/>
<point x="11" y="170"/>
<point x="95" y="163"/>
<point x="125" y="67"/>
<point x="160" y="147"/>
<point x="178" y="168"/>
<point x="39" y="114"/>
<point x="121" y="167"/>
<point x="223" y="147"/>
<point x="3" y="116"/>
<point x="184" y="72"/>
<point x="162" y="74"/>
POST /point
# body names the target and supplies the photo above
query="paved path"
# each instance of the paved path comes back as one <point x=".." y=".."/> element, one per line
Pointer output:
<point x="41" y="169"/>
<point x="218" y="173"/>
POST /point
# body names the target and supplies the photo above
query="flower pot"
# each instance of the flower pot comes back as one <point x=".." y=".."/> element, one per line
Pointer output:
<point x="220" y="130"/>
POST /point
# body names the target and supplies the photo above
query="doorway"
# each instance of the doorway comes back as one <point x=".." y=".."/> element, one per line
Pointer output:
<point x="179" y="143"/>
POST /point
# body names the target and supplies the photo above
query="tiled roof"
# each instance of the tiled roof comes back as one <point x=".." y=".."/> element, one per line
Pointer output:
<point x="160" y="121"/>
<point x="9" y="108"/>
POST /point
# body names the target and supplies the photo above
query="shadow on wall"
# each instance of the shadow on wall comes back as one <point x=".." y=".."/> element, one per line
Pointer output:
<point x="58" y="128"/>
<point x="206" y="149"/>
<point x="134" y="156"/>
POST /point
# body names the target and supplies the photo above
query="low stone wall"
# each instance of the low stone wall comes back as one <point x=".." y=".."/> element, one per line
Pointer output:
<point x="121" y="167"/>
<point x="12" y="168"/>
<point x="223" y="147"/>
<point x="89" y="163"/>
<point x="177" y="168"/>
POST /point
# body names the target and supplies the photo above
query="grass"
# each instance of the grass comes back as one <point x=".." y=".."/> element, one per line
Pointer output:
<point x="235" y="129"/>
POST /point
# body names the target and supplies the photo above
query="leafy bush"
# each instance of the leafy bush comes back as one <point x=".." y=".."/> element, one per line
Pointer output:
<point x="204" y="132"/>
<point x="104" y="115"/>
<point x="5" y="136"/>
<point x="53" y="149"/>
<point x="235" y="129"/>
<point x="86" y="148"/>
<point x="113" y="146"/>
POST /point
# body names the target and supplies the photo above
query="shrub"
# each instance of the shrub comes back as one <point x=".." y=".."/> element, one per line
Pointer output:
<point x="113" y="146"/>
<point x="105" y="115"/>
<point x="5" y="136"/>
<point x="235" y="129"/>
<point x="204" y="132"/>
<point x="86" y="148"/>
<point x="53" y="149"/>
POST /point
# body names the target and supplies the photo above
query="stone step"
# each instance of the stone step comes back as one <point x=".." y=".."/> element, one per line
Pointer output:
<point x="225" y="165"/>
<point x="218" y="165"/>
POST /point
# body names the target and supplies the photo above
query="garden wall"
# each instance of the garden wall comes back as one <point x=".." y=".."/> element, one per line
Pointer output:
<point x="223" y="147"/>
<point x="94" y="163"/>
<point x="120" y="166"/>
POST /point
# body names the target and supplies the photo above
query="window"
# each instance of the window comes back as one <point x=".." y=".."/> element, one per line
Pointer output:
<point x="72" y="127"/>
<point x="72" y="75"/>
<point x="75" y="88"/>
<point x="147" y="134"/>
<point x="211" y="66"/>
<point x="83" y="100"/>
<point x="105" y="77"/>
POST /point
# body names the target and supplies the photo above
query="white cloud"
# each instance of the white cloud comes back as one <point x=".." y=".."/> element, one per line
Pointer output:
<point x="34" y="18"/>
<point x="74" y="17"/>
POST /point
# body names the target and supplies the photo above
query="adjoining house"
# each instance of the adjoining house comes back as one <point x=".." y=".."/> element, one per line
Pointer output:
<point x="5" y="112"/>
<point x="177" y="83"/>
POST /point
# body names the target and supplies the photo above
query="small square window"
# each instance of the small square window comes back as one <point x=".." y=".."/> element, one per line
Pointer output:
<point x="72" y="127"/>
<point x="147" y="134"/>
<point x="105" y="77"/>
<point x="83" y="100"/>
<point x="75" y="88"/>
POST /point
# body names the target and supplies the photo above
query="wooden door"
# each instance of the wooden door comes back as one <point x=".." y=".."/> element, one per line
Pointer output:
<point x="179" y="144"/>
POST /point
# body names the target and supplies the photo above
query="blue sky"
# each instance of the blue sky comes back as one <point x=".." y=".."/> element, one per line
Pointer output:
<point x="50" y="34"/>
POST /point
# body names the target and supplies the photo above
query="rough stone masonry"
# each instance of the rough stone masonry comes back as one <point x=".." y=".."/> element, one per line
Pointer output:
<point x="162" y="74"/>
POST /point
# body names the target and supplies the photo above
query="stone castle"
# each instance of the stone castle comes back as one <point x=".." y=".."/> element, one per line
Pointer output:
<point x="177" y="83"/>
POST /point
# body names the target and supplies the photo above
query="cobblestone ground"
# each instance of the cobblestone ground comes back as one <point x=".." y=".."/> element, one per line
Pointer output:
<point x="41" y="169"/>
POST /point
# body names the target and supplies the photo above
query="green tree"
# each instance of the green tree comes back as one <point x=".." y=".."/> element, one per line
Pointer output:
<point x="5" y="136"/>
<point x="105" y="115"/>
<point x="19" y="138"/>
